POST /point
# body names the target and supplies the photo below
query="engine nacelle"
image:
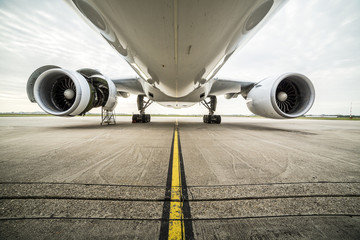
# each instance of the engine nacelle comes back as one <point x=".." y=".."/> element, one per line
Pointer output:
<point x="290" y="95"/>
<point x="62" y="92"/>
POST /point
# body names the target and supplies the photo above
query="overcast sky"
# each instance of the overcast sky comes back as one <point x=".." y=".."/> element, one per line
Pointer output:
<point x="318" y="38"/>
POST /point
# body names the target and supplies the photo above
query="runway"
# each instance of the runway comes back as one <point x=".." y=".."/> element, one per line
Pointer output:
<point x="247" y="178"/>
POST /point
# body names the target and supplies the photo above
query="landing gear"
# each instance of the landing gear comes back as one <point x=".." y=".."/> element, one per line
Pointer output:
<point x="211" y="106"/>
<point x="212" y="119"/>
<point x="141" y="118"/>
<point x="107" y="117"/>
<point x="142" y="105"/>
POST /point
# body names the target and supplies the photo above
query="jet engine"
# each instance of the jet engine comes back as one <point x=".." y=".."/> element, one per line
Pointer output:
<point x="63" y="92"/>
<point x="287" y="96"/>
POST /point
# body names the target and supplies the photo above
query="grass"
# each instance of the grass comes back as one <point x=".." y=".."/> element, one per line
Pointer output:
<point x="330" y="118"/>
<point x="23" y="115"/>
<point x="174" y="115"/>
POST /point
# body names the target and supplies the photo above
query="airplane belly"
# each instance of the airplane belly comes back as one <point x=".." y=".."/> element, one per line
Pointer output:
<point x="176" y="45"/>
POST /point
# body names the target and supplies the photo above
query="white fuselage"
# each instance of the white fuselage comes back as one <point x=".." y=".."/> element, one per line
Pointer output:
<point x="177" y="46"/>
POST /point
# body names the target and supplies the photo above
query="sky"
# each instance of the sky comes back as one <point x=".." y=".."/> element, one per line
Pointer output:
<point x="318" y="38"/>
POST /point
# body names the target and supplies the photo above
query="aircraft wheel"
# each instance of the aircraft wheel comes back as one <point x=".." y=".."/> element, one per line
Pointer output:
<point x="206" y="118"/>
<point x="135" y="118"/>
<point x="218" y="119"/>
<point x="212" y="119"/>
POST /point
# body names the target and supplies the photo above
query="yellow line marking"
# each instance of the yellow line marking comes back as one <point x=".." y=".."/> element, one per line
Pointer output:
<point x="176" y="223"/>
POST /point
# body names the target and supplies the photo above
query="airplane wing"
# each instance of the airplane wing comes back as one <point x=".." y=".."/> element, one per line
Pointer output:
<point x="230" y="88"/>
<point x="128" y="85"/>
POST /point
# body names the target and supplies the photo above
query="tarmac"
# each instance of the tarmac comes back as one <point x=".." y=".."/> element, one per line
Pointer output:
<point x="246" y="178"/>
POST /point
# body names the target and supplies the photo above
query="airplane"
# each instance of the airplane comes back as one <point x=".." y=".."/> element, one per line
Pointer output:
<point x="176" y="47"/>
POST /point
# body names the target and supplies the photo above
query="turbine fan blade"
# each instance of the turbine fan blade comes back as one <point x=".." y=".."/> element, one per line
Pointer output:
<point x="58" y="97"/>
<point x="289" y="88"/>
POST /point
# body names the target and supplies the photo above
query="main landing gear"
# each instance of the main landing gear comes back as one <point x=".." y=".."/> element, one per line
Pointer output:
<point x="142" y="105"/>
<point x="211" y="106"/>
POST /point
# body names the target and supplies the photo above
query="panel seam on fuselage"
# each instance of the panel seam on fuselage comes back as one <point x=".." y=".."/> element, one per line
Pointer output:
<point x="176" y="43"/>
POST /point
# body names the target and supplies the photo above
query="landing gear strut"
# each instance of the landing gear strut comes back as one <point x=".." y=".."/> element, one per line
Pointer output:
<point x="142" y="105"/>
<point x="211" y="106"/>
<point x="107" y="117"/>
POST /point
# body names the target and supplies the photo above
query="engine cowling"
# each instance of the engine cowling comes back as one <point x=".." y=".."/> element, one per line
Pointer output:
<point x="63" y="92"/>
<point x="289" y="95"/>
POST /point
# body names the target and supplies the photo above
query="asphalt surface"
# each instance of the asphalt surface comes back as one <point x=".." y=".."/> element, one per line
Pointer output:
<point x="247" y="178"/>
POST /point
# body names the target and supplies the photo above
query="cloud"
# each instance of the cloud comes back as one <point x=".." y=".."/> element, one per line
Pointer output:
<point x="318" y="38"/>
<point x="37" y="33"/>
